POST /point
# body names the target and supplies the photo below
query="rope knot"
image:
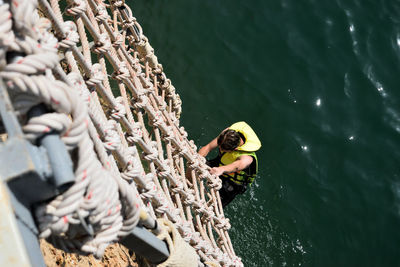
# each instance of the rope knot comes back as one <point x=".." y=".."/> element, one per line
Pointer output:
<point x="103" y="44"/>
<point x="161" y="103"/>
<point x="147" y="52"/>
<point x="96" y="75"/>
<point x="201" y="245"/>
<point x="189" y="199"/>
<point x="169" y="136"/>
<point x="152" y="156"/>
<point x="223" y="223"/>
<point x="215" y="183"/>
<point x="165" y="170"/>
<point x="119" y="109"/>
<point x="177" y="105"/>
<point x="204" y="174"/>
<point x="47" y="40"/>
<point x="167" y="86"/>
<point x="183" y="132"/>
<point x="141" y="102"/>
<point x="151" y="189"/>
<point x="146" y="83"/>
<point x="178" y="188"/>
<point x="119" y="40"/>
<point x="111" y="136"/>
<point x="164" y="82"/>
<point x="78" y="83"/>
<point x="71" y="35"/>
<point x="130" y="20"/>
<point x="183" y="151"/>
<point x="162" y="79"/>
<point x="76" y="7"/>
<point x="171" y="91"/>
<point x="158" y="69"/>
<point x="200" y="206"/>
<point x="118" y="3"/>
<point x="192" y="145"/>
<point x="132" y="171"/>
<point x="162" y="208"/>
<point x="236" y="261"/>
<point x="101" y="13"/>
<point x="158" y="119"/>
<point x="208" y="214"/>
<point x="194" y="165"/>
<point x="136" y="133"/>
<point x="201" y="159"/>
<point x="122" y="72"/>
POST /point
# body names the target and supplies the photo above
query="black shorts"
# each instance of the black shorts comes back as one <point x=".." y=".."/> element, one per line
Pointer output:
<point x="229" y="189"/>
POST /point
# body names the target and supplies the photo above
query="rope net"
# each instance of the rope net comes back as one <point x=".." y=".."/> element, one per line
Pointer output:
<point x="118" y="115"/>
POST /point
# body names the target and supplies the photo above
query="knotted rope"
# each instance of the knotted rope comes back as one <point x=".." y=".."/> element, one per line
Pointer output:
<point x="118" y="114"/>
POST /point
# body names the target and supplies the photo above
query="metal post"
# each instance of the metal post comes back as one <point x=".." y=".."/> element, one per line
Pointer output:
<point x="62" y="176"/>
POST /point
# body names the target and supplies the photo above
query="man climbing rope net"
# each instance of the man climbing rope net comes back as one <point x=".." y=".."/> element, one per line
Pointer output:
<point x="236" y="163"/>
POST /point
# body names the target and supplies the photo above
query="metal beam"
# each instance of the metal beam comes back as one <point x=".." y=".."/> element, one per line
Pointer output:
<point x="147" y="245"/>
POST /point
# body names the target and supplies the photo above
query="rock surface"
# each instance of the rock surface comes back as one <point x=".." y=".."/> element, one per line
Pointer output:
<point x="115" y="255"/>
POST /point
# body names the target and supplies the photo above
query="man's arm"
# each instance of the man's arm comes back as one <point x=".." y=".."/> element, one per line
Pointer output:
<point x="240" y="164"/>
<point x="210" y="146"/>
<point x="207" y="148"/>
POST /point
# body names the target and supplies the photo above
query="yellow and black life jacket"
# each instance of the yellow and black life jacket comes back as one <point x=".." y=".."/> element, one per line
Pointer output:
<point x="250" y="145"/>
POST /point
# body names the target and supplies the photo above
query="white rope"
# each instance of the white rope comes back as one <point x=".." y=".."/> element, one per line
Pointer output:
<point x="129" y="150"/>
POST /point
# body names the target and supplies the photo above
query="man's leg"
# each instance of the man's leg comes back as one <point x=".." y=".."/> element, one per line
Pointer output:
<point x="227" y="192"/>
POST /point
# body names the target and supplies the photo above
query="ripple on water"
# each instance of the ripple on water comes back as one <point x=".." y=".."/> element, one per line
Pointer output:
<point x="347" y="85"/>
<point x="351" y="28"/>
<point x="369" y="72"/>
<point x="395" y="43"/>
<point x="392" y="117"/>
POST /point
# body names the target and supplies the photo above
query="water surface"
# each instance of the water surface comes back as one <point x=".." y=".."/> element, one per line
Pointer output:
<point x="319" y="83"/>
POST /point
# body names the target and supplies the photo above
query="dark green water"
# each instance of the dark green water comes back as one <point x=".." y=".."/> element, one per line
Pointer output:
<point x="319" y="83"/>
